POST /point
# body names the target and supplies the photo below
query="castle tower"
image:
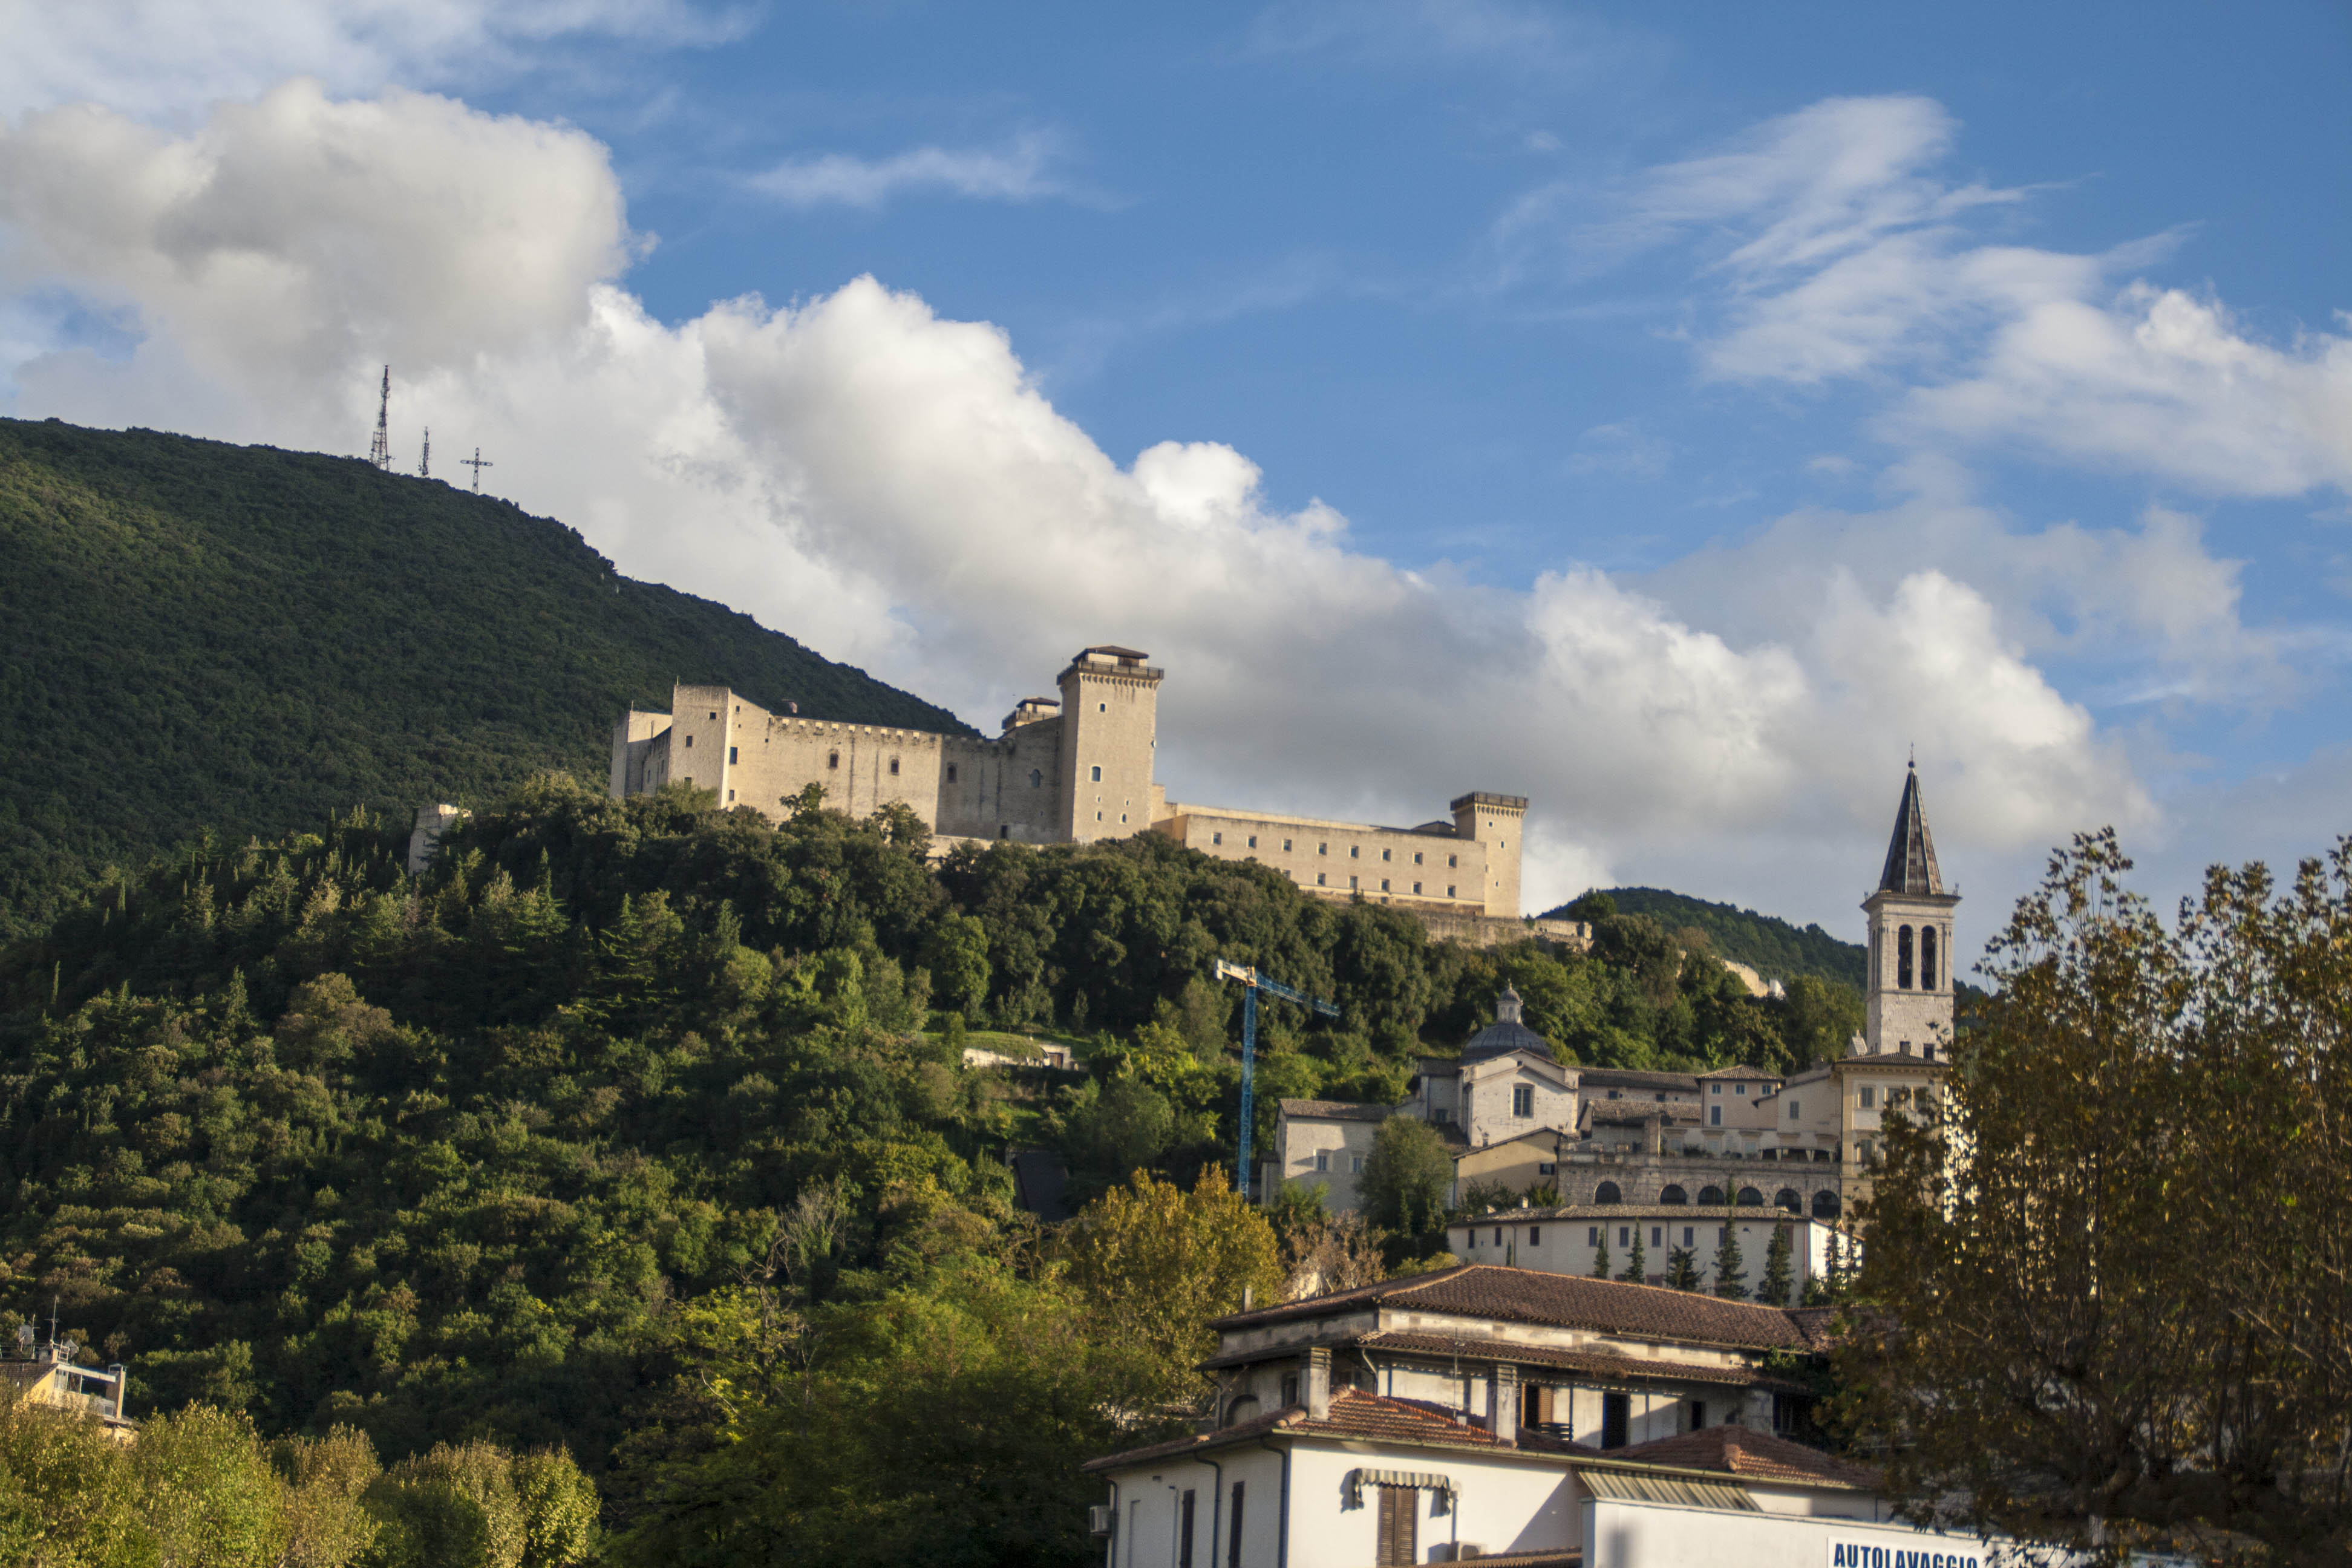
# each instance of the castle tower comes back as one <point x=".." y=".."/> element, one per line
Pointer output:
<point x="1493" y="821"/>
<point x="1909" y="1006"/>
<point x="1110" y="714"/>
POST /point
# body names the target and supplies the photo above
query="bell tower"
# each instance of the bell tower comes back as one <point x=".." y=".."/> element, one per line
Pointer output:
<point x="1908" y="1009"/>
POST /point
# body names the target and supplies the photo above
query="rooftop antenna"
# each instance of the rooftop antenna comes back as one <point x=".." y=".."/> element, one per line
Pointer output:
<point x="425" y="458"/>
<point x="478" y="463"/>
<point x="380" y="450"/>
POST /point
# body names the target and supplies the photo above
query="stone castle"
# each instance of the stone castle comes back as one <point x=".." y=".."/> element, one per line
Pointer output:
<point x="1074" y="769"/>
<point x="1515" y="1117"/>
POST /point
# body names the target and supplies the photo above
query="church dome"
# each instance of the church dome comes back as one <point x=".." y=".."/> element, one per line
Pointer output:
<point x="1506" y="1034"/>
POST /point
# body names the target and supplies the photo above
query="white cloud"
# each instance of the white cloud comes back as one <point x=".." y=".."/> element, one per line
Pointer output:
<point x="1831" y="244"/>
<point x="1017" y="173"/>
<point x="167" y="60"/>
<point x="895" y="488"/>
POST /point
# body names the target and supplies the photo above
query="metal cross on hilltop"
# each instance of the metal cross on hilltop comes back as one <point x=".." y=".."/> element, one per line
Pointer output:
<point x="478" y="463"/>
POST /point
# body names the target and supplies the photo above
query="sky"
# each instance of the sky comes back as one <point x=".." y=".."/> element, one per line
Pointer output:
<point x="1681" y="415"/>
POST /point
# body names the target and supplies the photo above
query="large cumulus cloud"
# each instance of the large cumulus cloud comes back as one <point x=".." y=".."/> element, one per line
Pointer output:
<point x="895" y="487"/>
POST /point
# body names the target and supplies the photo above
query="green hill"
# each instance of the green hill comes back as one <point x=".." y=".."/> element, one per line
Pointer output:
<point x="241" y="639"/>
<point x="1773" y="947"/>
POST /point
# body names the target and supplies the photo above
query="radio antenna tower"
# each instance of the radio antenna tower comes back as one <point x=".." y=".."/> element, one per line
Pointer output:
<point x="478" y="463"/>
<point x="380" y="451"/>
<point x="425" y="458"/>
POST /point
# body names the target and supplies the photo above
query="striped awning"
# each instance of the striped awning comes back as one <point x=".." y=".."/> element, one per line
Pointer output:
<point x="1357" y="1479"/>
<point x="1633" y="1486"/>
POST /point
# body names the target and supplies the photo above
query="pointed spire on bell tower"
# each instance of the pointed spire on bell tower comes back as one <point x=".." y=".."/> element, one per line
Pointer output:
<point x="1911" y="853"/>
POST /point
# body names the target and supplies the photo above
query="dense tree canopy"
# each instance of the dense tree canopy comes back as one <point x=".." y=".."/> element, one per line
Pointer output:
<point x="2109" y="1280"/>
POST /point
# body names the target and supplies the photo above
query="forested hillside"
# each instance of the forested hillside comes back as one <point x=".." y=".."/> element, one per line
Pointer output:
<point x="1773" y="947"/>
<point x="242" y="639"/>
<point x="642" y="1127"/>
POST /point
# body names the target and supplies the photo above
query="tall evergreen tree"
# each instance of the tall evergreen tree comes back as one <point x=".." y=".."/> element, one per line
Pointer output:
<point x="1778" y="1275"/>
<point x="1601" y="1255"/>
<point x="1636" y="1269"/>
<point x="1731" y="1269"/>
<point x="1682" y="1269"/>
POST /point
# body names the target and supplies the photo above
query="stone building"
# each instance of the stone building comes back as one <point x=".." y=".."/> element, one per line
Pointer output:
<point x="1074" y="769"/>
<point x="1515" y="1117"/>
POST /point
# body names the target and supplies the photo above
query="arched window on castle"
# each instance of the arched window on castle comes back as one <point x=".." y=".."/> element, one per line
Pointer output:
<point x="1035" y="778"/>
<point x="1607" y="1192"/>
<point x="1903" y="958"/>
<point x="1927" y="958"/>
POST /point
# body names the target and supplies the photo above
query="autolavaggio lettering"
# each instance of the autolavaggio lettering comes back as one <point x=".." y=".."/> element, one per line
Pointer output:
<point x="1856" y="1556"/>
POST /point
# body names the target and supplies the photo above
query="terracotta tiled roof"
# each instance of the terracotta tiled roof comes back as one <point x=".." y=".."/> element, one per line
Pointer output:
<point x="1335" y="1111"/>
<point x="1354" y="1414"/>
<point x="1593" y="1363"/>
<point x="1687" y="1213"/>
<point x="1726" y="1074"/>
<point x="1527" y="1296"/>
<point x="1755" y="1456"/>
<point x="1633" y="1077"/>
<point x="1818" y="1324"/>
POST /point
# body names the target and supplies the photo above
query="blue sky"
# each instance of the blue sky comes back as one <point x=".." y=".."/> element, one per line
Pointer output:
<point x="1674" y="415"/>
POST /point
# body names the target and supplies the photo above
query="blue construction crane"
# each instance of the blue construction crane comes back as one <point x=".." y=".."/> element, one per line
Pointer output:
<point x="1253" y="982"/>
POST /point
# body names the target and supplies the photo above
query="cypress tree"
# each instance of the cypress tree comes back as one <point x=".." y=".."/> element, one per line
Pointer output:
<point x="1636" y="1270"/>
<point x="1773" y="1288"/>
<point x="1730" y="1270"/>
<point x="1601" y="1255"/>
<point x="1682" y="1269"/>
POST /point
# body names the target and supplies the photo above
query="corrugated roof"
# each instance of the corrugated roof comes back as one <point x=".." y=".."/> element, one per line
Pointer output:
<point x="1682" y="1491"/>
<point x="1527" y="1296"/>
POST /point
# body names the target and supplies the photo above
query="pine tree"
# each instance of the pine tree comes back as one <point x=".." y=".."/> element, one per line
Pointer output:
<point x="1636" y="1269"/>
<point x="1682" y="1269"/>
<point x="1601" y="1255"/>
<point x="1773" y="1288"/>
<point x="1730" y="1270"/>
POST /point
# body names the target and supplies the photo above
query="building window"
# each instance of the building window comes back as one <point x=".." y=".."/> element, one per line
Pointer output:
<point x="1035" y="778"/>
<point x="689" y="742"/>
<point x="1323" y="849"/>
<point x="1253" y="840"/>
<point x="1416" y="886"/>
<point x="1592" y="1236"/>
<point x="1715" y="1088"/>
<point x="1607" y="1192"/>
<point x="731" y="797"/>
<point x="1714" y="1116"/>
<point x="952" y="767"/>
<point x="1927" y="945"/>
<point x="1289" y="1388"/>
<point x="894" y="767"/>
<point x="1535" y="1235"/>
<point x="730" y="756"/>
<point x="1322" y="1158"/>
<point x="1903" y="958"/>
<point x="1473" y="1239"/>
<point x="1792" y="1110"/>
<point x="1673" y="1195"/>
<point x="1498" y="1235"/>
<point x="1097" y="774"/>
<point x="1869" y="1096"/>
<point x="1384" y="884"/>
<point x="1384" y="854"/>
<point x="1697" y="1420"/>
<point x="1449" y="890"/>
<point x="1351" y="882"/>
<point x="1216" y="838"/>
<point x="1102" y="706"/>
<point x="1739" y="1088"/>
<point x="1355" y="851"/>
<point x="1545" y="1168"/>
<point x="1440" y="1116"/>
<point x="714" y="715"/>
<point x="1687" y="1236"/>
<point x="1624" y="1236"/>
<point x="1285" y="846"/>
<point x="833" y="759"/>
<point x="1184" y="1533"/>
<point x="1318" y="878"/>
<point x="1615" y="1410"/>
<point x="1452" y="861"/>
<point x="1355" y="1164"/>
<point x="1523" y="1100"/>
<point x="1657" y="1236"/>
<point x="1234" y="1531"/>
<point x="1417" y="856"/>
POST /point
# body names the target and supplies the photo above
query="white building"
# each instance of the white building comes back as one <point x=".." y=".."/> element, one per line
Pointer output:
<point x="1534" y="1418"/>
<point x="1567" y="1241"/>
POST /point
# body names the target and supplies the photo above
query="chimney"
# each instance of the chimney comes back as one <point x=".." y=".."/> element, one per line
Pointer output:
<point x="1503" y="1404"/>
<point x="1315" y="1378"/>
